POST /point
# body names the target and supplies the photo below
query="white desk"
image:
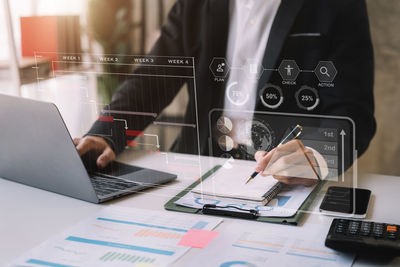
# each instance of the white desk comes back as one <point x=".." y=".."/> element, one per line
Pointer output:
<point x="29" y="216"/>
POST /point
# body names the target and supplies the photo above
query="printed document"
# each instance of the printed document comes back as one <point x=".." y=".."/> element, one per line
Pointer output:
<point x="119" y="237"/>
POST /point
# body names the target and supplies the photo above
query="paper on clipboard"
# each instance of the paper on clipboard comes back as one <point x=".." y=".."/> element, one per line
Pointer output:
<point x="285" y="204"/>
<point x="229" y="184"/>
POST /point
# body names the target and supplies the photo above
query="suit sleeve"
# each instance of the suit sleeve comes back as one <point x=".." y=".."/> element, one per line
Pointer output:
<point x="352" y="52"/>
<point x="146" y="94"/>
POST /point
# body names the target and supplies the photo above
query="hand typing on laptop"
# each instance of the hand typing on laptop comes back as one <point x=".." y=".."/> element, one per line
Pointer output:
<point x="291" y="163"/>
<point x="97" y="144"/>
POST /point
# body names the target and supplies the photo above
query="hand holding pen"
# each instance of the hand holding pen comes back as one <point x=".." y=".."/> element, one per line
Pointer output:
<point x="290" y="162"/>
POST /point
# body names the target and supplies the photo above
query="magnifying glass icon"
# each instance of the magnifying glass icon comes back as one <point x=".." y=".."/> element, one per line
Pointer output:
<point x="324" y="71"/>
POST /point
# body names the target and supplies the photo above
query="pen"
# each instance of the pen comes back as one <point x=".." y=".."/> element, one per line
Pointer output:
<point x="298" y="128"/>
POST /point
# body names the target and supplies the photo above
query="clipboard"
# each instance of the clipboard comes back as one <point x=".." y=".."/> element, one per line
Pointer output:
<point x="294" y="220"/>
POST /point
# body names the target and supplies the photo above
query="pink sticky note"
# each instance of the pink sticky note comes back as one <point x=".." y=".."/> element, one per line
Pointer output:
<point x="197" y="238"/>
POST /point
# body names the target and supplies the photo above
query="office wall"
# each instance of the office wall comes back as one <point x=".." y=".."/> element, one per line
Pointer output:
<point x="151" y="18"/>
<point x="383" y="156"/>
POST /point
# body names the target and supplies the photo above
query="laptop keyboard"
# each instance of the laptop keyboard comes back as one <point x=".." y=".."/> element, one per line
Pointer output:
<point x="105" y="185"/>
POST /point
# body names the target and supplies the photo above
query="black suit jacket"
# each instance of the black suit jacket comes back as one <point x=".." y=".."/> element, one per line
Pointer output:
<point x="199" y="29"/>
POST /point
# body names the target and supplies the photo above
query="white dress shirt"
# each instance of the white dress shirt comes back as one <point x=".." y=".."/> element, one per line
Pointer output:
<point x="249" y="30"/>
<point x="250" y="26"/>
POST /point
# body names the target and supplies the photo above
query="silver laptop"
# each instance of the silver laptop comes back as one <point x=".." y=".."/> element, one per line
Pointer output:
<point x="36" y="149"/>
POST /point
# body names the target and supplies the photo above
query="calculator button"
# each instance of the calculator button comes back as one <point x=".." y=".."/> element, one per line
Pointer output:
<point x="366" y="228"/>
<point x="378" y="230"/>
<point x="341" y="226"/>
<point x="378" y="234"/>
<point x="366" y="224"/>
<point x="339" y="230"/>
<point x="391" y="232"/>
<point x="354" y="226"/>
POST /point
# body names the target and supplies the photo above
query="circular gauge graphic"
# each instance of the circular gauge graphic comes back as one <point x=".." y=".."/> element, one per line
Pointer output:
<point x="307" y="98"/>
<point x="237" y="264"/>
<point x="271" y="96"/>
<point x="236" y="96"/>
<point x="262" y="137"/>
<point x="225" y="143"/>
<point x="224" y="125"/>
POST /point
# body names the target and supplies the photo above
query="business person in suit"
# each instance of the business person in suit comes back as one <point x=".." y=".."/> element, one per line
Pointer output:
<point x="307" y="31"/>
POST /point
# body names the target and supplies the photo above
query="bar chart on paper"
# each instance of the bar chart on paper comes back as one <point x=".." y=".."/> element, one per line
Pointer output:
<point x="306" y="249"/>
<point x="256" y="242"/>
<point x="119" y="237"/>
<point x="158" y="234"/>
<point x="123" y="257"/>
<point x="272" y="245"/>
<point x="281" y="244"/>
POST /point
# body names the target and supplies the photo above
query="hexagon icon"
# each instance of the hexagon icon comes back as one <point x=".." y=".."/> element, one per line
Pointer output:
<point x="326" y="71"/>
<point x="289" y="70"/>
<point x="219" y="67"/>
<point x="253" y="69"/>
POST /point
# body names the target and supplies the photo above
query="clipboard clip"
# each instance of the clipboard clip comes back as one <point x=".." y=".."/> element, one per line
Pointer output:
<point x="211" y="209"/>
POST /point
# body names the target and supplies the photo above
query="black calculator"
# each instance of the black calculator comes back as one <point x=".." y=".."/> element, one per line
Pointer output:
<point x="362" y="237"/>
